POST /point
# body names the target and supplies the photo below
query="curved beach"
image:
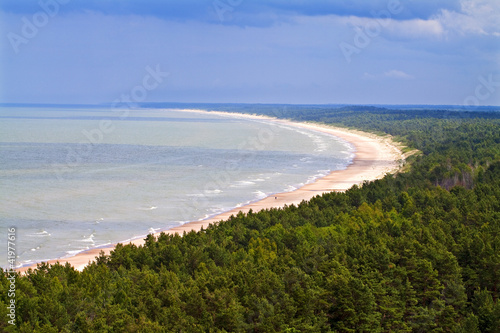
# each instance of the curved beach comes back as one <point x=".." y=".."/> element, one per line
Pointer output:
<point x="375" y="156"/>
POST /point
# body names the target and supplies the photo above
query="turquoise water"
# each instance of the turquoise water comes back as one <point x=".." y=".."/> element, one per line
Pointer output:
<point x="73" y="179"/>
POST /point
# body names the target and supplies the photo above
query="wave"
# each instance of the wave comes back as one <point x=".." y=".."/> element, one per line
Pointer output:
<point x="259" y="180"/>
<point x="43" y="233"/>
<point x="153" y="230"/>
<point x="260" y="195"/>
<point x="89" y="239"/>
<point x="206" y="216"/>
<point x="196" y="195"/>
<point x="242" y="183"/>
<point x="149" y="208"/>
<point x="320" y="174"/>
<point x="216" y="191"/>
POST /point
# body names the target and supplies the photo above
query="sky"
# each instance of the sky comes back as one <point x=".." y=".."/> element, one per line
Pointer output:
<point x="250" y="51"/>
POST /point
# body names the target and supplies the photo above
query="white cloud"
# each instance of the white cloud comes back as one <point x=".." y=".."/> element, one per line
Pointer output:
<point x="406" y="29"/>
<point x="479" y="17"/>
<point x="476" y="17"/>
<point x="416" y="28"/>
<point x="396" y="74"/>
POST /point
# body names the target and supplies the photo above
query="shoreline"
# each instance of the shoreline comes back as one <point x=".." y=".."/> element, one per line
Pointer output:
<point x="374" y="157"/>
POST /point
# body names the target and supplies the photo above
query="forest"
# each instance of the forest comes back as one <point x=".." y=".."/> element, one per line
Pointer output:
<point x="417" y="251"/>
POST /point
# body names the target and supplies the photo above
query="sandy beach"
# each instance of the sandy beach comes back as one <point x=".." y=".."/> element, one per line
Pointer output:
<point x="375" y="156"/>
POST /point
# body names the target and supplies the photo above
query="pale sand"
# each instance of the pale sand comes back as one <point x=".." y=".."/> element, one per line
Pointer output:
<point x="375" y="156"/>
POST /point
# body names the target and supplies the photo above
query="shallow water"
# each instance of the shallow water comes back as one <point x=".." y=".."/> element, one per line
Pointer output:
<point x="72" y="179"/>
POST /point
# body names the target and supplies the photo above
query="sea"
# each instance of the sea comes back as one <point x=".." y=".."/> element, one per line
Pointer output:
<point x="81" y="177"/>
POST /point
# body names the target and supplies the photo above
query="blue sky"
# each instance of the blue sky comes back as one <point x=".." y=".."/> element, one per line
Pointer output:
<point x="251" y="51"/>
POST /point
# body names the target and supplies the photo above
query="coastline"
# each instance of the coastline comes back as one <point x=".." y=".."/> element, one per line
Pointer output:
<point x="374" y="156"/>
